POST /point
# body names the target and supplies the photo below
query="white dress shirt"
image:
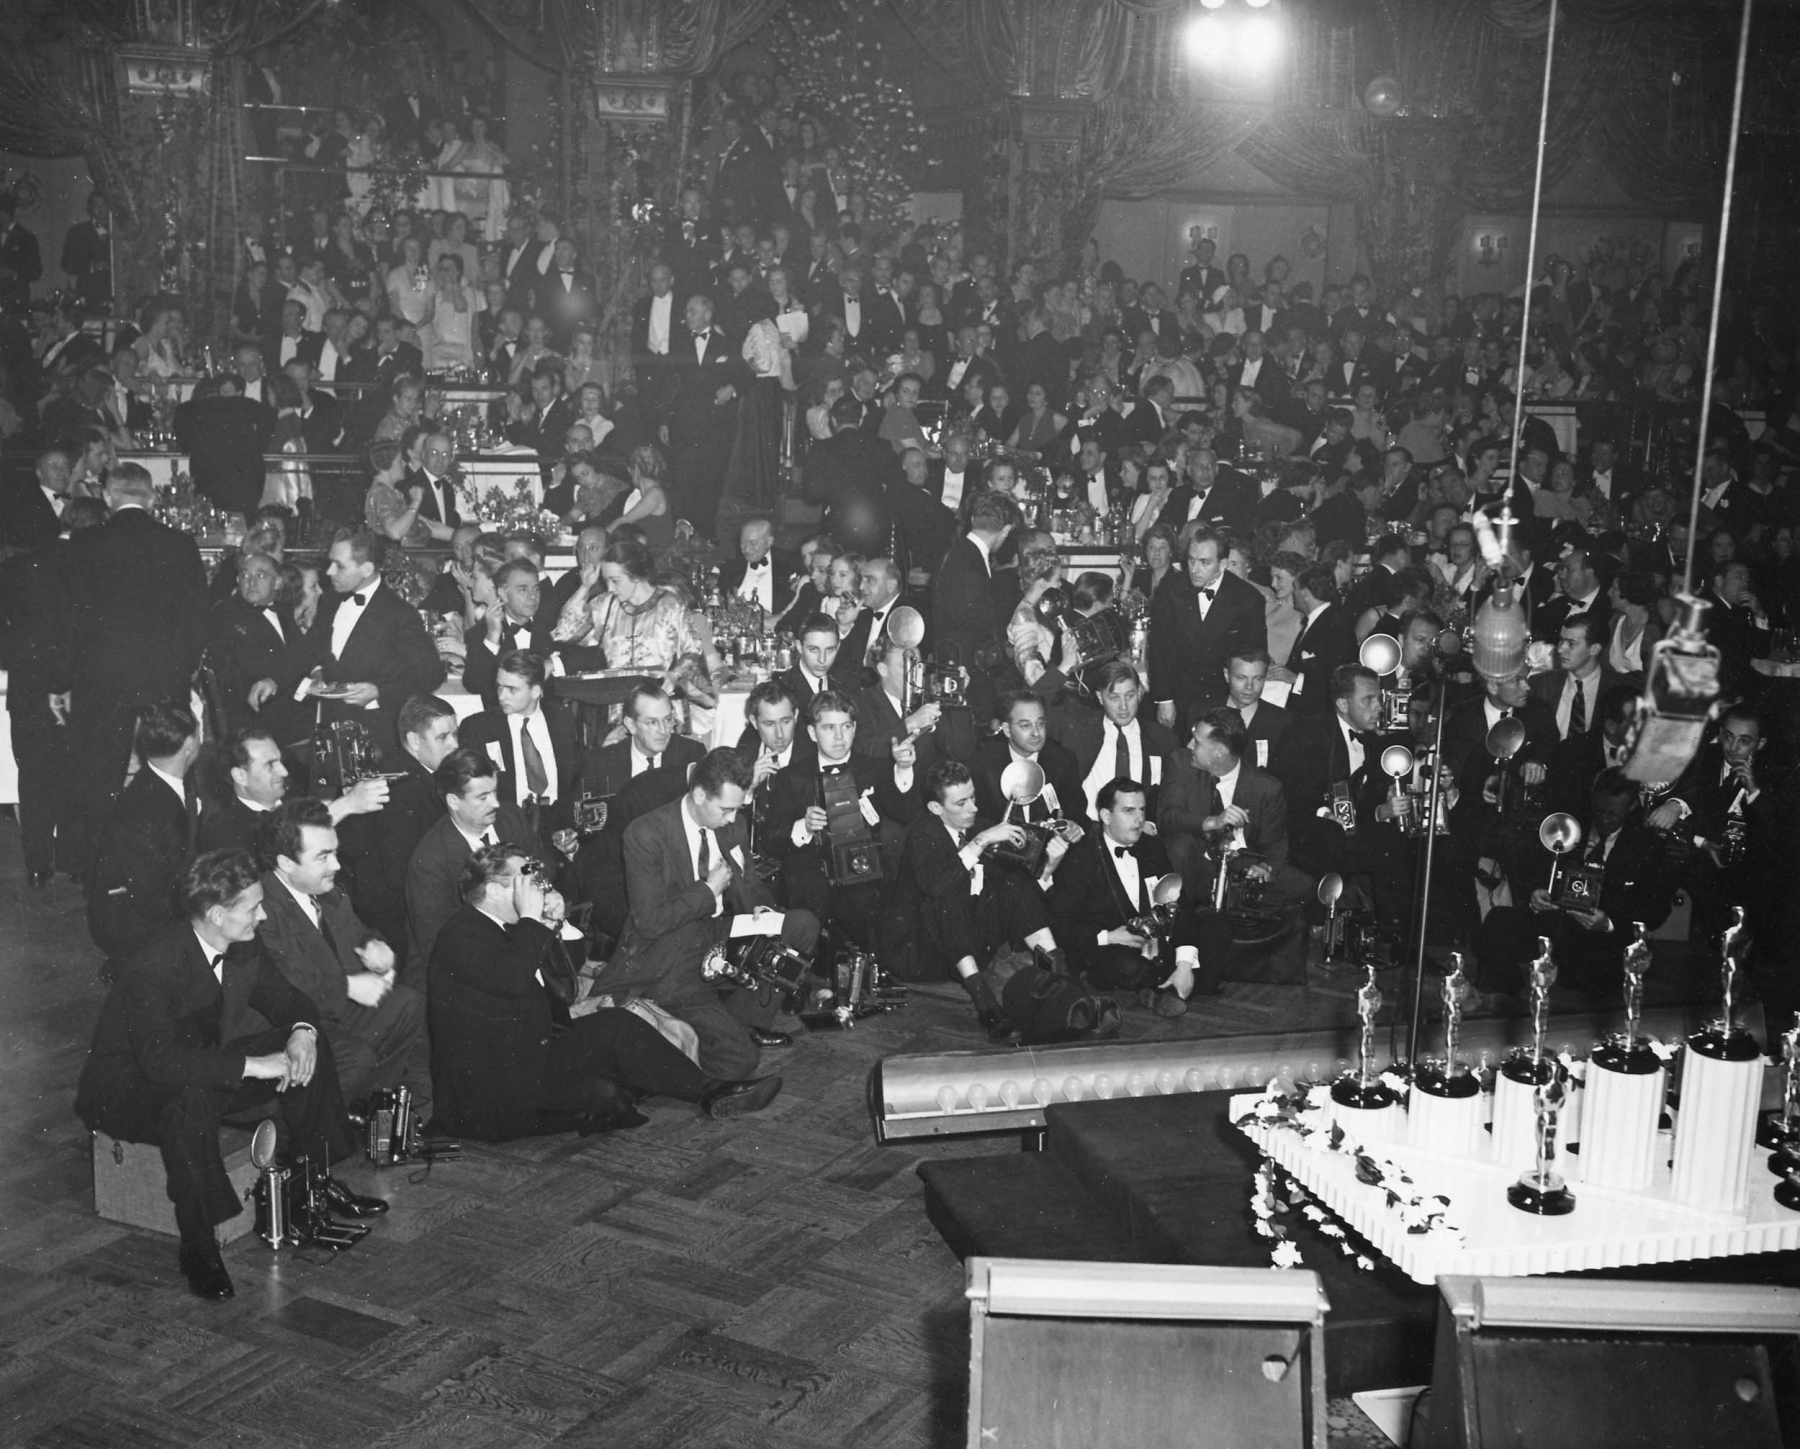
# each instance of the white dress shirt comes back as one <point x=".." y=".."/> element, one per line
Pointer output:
<point x="1145" y="770"/>
<point x="1350" y="739"/>
<point x="328" y="361"/>
<point x="1131" y="877"/>
<point x="179" y="786"/>
<point x="349" y="614"/>
<point x="1096" y="493"/>
<point x="953" y="488"/>
<point x="853" y="319"/>
<point x="694" y="831"/>
<point x="1227" y="787"/>
<point x="539" y="728"/>
<point x="661" y="313"/>
<point x="1565" y="704"/>
<point x="758" y="583"/>
<point x="214" y="958"/>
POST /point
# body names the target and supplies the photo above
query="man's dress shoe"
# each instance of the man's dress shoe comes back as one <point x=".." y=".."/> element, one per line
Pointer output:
<point x="350" y="1204"/>
<point x="205" y="1272"/>
<point x="733" y="1099"/>
<point x="764" y="1038"/>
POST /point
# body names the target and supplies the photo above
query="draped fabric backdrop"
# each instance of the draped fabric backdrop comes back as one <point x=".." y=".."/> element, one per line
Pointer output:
<point x="1470" y="73"/>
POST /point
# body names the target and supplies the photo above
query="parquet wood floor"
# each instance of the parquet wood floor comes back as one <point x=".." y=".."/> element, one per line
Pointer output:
<point x="767" y="1283"/>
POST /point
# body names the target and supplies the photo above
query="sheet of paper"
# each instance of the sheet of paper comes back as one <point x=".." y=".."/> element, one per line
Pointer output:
<point x="758" y="923"/>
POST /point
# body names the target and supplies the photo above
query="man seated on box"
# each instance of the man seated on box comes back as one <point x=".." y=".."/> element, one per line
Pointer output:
<point x="513" y="1054"/>
<point x="951" y="907"/>
<point x="691" y="889"/>
<point x="316" y="939"/>
<point x="177" y="1049"/>
<point x="254" y="785"/>
<point x="830" y="823"/>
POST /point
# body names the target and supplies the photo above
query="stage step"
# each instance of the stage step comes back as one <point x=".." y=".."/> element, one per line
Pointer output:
<point x="1029" y="1206"/>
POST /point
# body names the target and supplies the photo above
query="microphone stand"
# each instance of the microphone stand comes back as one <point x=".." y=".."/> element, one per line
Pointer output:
<point x="1431" y="833"/>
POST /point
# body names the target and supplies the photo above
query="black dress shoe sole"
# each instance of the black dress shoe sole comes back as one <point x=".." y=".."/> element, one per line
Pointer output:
<point x="737" y="1104"/>
<point x="354" y="1205"/>
<point x="771" y="1038"/>
<point x="209" y="1281"/>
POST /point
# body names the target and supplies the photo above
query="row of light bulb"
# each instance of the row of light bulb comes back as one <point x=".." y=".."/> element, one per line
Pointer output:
<point x="1042" y="1092"/>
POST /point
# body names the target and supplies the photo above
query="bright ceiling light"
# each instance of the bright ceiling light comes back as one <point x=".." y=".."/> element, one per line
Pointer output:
<point x="1212" y="4"/>
<point x="1258" y="42"/>
<point x="1206" y="39"/>
<point x="1255" y="4"/>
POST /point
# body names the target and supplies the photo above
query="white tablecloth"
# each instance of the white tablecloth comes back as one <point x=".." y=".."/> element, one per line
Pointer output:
<point x="9" y="769"/>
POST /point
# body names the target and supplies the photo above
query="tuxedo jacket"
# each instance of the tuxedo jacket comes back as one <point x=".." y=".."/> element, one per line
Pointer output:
<point x="490" y="731"/>
<point x="225" y="438"/>
<point x="168" y="1023"/>
<point x="782" y="569"/>
<point x="1088" y="897"/>
<point x="1637" y="883"/>
<point x="377" y="848"/>
<point x="870" y="335"/>
<point x="1327" y="642"/>
<point x="481" y="665"/>
<point x="451" y="515"/>
<point x="27" y="517"/>
<point x="564" y="304"/>
<point x="1313" y="757"/>
<point x="607" y="769"/>
<point x="692" y="251"/>
<point x="696" y="416"/>
<point x="991" y="758"/>
<point x="1266" y="727"/>
<point x="24" y="264"/>
<point x="948" y="383"/>
<point x="317" y="968"/>
<point x="1190" y="795"/>
<point x="143" y="848"/>
<point x="434" y="877"/>
<point x="242" y="647"/>
<point x="963" y="604"/>
<point x="1188" y="654"/>
<point x="388" y="648"/>
<point x="793" y="790"/>
<point x="138" y="611"/>
<point x="1465" y="742"/>
<point x="228" y="824"/>
<point x="672" y="925"/>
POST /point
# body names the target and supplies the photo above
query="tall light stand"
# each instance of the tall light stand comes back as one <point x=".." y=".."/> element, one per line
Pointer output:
<point x="1424" y="909"/>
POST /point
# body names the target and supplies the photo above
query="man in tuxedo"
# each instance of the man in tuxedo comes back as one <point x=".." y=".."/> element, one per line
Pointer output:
<point x="1327" y="639"/>
<point x="33" y="510"/>
<point x="1615" y="483"/>
<point x="760" y="572"/>
<point x="1113" y="742"/>
<point x="519" y="622"/>
<point x="882" y="719"/>
<point x="147" y="839"/>
<point x="1196" y="628"/>
<point x="370" y="652"/>
<point x="709" y="376"/>
<point x="518" y="264"/>
<point x="655" y="327"/>
<point x="772" y="741"/>
<point x="688" y="880"/>
<point x="406" y="114"/>
<point x="225" y="435"/>
<point x="795" y="831"/>
<point x="377" y="847"/>
<point x="1737" y="623"/>
<point x="316" y="940"/>
<point x="293" y="340"/>
<point x="87" y="255"/>
<point x="1154" y="414"/>
<point x="532" y="742"/>
<point x="923" y="528"/>
<point x="690" y="247"/>
<point x="1573" y="691"/>
<point x="1025" y="736"/>
<point x="1469" y="724"/>
<point x="650" y="743"/>
<point x="965" y="609"/>
<point x="248" y="782"/>
<point x="952" y="909"/>
<point x="468" y="785"/>
<point x="21" y="263"/>
<point x="1214" y="796"/>
<point x="812" y="671"/>
<point x="127" y="411"/>
<point x="880" y="591"/>
<point x="321" y="415"/>
<point x="1214" y="498"/>
<point x="1264" y="723"/>
<point x="887" y="313"/>
<point x="849" y="305"/>
<point x="509" y="1058"/>
<point x="136" y="628"/>
<point x="566" y="295"/>
<point x="1103" y="884"/>
<point x="1339" y="818"/>
<point x="251" y="638"/>
<point x="1582" y="581"/>
<point x="964" y="365"/>
<point x="82" y="406"/>
<point x="1039" y="358"/>
<point x="1637" y="884"/>
<point x="176" y="1050"/>
<point x="435" y="482"/>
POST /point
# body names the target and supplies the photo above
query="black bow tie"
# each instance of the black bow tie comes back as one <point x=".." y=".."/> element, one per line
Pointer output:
<point x="359" y="599"/>
<point x="1208" y="594"/>
<point x="1124" y="850"/>
<point x="701" y="332"/>
<point x="761" y="563"/>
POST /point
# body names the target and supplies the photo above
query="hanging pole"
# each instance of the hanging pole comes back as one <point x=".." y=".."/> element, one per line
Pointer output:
<point x="1537" y="202"/>
<point x="1718" y="289"/>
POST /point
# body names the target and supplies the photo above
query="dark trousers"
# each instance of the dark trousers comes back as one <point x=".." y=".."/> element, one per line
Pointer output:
<point x="383" y="1046"/>
<point x="100" y="741"/>
<point x="41" y="748"/>
<point x="849" y="911"/>
<point x="722" y="1019"/>
<point x="184" y="1123"/>
<point x="614" y="1047"/>
<point x="959" y="925"/>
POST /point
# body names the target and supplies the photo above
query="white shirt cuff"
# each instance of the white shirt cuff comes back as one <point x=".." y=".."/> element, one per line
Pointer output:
<point x="800" y="834"/>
